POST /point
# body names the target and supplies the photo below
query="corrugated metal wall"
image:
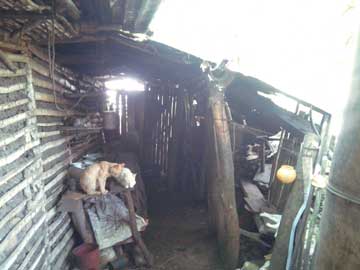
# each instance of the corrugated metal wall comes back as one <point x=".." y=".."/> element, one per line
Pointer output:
<point x="34" y="156"/>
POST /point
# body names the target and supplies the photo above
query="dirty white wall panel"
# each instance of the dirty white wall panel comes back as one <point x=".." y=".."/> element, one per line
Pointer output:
<point x="34" y="158"/>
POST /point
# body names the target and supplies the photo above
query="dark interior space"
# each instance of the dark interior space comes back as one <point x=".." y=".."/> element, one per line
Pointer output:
<point x="192" y="168"/>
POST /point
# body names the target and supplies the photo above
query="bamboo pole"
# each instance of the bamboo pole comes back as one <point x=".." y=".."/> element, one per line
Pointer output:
<point x="222" y="187"/>
<point x="339" y="245"/>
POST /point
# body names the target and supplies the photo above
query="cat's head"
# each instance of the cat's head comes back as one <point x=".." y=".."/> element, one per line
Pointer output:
<point x="116" y="169"/>
<point x="127" y="178"/>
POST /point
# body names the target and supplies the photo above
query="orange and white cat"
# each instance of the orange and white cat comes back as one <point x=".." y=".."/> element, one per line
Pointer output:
<point x="93" y="179"/>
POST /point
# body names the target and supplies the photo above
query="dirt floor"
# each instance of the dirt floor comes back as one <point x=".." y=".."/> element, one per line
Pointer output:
<point x="178" y="236"/>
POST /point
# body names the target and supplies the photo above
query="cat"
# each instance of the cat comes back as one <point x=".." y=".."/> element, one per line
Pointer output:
<point x="126" y="178"/>
<point x="94" y="177"/>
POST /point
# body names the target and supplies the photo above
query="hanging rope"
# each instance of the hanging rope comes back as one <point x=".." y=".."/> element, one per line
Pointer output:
<point x="51" y="56"/>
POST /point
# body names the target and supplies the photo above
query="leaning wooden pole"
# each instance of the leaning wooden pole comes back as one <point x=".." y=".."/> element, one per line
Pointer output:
<point x="339" y="245"/>
<point x="222" y="204"/>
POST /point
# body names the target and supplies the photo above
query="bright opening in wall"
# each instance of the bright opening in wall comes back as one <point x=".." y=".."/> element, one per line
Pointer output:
<point x="125" y="84"/>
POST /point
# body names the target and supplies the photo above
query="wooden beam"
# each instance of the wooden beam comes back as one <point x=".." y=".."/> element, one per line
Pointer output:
<point x="221" y="193"/>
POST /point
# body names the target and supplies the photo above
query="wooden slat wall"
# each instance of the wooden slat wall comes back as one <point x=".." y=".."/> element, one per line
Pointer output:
<point x="160" y="108"/>
<point x="34" y="157"/>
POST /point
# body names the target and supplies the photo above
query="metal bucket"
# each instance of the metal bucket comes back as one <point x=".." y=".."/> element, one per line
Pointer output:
<point x="111" y="120"/>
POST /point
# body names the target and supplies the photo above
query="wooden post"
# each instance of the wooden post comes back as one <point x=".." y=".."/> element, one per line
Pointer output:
<point x="222" y="204"/>
<point x="304" y="169"/>
<point x="134" y="230"/>
<point x="339" y="245"/>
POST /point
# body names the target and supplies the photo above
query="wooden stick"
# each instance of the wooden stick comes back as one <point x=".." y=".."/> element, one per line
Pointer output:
<point x="134" y="230"/>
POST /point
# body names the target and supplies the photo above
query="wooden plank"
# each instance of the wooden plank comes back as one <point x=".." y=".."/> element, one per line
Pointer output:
<point x="52" y="124"/>
<point x="15" y="14"/>
<point x="9" y="74"/>
<point x="11" y="46"/>
<point x="20" y="58"/>
<point x="13" y="173"/>
<point x="12" y="120"/>
<point x="54" y="169"/>
<point x="51" y="213"/>
<point x="54" y="195"/>
<point x="62" y="244"/>
<point x="20" y="247"/>
<point x="7" y="62"/>
<point x="64" y="227"/>
<point x="76" y="155"/>
<point x="56" y="180"/>
<point x="47" y="85"/>
<point x="48" y="134"/>
<point x="60" y="261"/>
<point x="9" y="216"/>
<point x="43" y="55"/>
<point x="13" y="104"/>
<point x="45" y="112"/>
<point x="59" y="220"/>
<point x="11" y="236"/>
<point x="31" y="253"/>
<point x="38" y="52"/>
<point x="53" y="157"/>
<point x="253" y="196"/>
<point x="13" y="88"/>
<point x="45" y="72"/>
<point x="18" y="153"/>
<point x="51" y="99"/>
<point x="53" y="144"/>
<point x="39" y="256"/>
<point x="13" y="137"/>
<point x="15" y="190"/>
